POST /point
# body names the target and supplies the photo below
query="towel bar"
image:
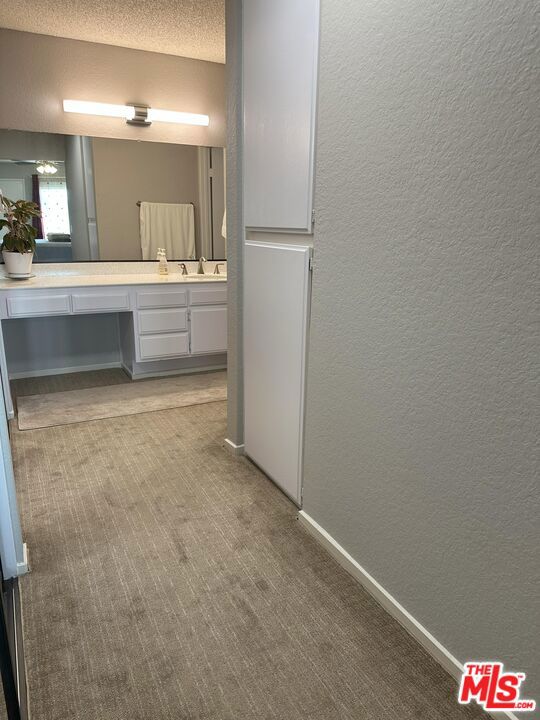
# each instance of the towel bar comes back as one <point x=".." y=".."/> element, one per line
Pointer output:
<point x="138" y="203"/>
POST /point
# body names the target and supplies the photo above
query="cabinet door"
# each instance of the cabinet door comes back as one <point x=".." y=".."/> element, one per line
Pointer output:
<point x="208" y="330"/>
<point x="275" y="338"/>
<point x="280" y="40"/>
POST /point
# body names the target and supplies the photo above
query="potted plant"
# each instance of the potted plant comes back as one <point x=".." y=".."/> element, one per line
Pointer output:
<point x="19" y="242"/>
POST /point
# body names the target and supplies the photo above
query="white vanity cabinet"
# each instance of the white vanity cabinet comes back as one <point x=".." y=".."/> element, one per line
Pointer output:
<point x="162" y="324"/>
<point x="158" y="323"/>
<point x="172" y="323"/>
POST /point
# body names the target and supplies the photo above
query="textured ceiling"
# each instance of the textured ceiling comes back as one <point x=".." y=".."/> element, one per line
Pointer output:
<point x="194" y="29"/>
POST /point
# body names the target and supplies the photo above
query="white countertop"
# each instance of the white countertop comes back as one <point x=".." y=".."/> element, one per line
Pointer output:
<point x="54" y="275"/>
<point x="53" y="281"/>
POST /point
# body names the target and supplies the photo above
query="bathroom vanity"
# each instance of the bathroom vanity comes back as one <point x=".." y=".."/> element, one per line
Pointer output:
<point x="166" y="323"/>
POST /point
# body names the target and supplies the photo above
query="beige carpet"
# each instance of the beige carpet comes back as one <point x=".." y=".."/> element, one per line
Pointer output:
<point x="95" y="403"/>
<point x="171" y="581"/>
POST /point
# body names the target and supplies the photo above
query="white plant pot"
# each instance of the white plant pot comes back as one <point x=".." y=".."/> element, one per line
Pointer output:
<point x="18" y="264"/>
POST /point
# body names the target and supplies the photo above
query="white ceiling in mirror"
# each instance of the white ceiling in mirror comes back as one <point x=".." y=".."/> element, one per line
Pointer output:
<point x="174" y="27"/>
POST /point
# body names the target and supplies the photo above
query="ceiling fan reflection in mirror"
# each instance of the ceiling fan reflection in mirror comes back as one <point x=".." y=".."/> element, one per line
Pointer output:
<point x="46" y="167"/>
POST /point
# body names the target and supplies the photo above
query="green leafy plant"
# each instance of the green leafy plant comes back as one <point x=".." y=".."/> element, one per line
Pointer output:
<point x="21" y="234"/>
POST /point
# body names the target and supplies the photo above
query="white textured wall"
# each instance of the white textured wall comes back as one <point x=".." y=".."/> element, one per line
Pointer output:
<point x="420" y="454"/>
<point x="44" y="70"/>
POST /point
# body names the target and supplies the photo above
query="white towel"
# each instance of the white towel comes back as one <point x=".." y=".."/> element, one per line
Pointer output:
<point x="170" y="226"/>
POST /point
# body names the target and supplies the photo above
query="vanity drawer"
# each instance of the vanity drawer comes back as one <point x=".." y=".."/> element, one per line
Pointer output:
<point x="156" y="347"/>
<point x="161" y="298"/>
<point x="162" y="321"/>
<point x="104" y="302"/>
<point x="208" y="296"/>
<point x="29" y="305"/>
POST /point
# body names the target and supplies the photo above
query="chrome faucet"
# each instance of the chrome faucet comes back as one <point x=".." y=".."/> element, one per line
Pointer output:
<point x="183" y="268"/>
<point x="200" y="269"/>
<point x="216" y="269"/>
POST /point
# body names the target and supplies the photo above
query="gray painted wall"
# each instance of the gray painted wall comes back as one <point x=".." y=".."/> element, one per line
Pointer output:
<point x="51" y="69"/>
<point x="419" y="454"/>
<point x="20" y="145"/>
<point x="125" y="172"/>
<point x="235" y="228"/>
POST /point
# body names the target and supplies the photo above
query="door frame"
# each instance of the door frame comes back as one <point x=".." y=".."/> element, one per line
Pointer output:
<point x="12" y="548"/>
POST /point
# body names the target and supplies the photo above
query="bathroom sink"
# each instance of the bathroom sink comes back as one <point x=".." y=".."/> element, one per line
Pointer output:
<point x="204" y="278"/>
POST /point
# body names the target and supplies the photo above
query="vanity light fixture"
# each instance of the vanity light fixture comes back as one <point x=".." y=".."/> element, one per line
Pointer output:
<point x="44" y="167"/>
<point x="135" y="114"/>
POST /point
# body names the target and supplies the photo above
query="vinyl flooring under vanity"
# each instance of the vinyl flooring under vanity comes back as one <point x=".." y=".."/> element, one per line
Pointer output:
<point x="171" y="581"/>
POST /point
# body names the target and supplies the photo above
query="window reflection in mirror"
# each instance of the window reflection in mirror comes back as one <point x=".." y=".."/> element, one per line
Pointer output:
<point x="117" y="200"/>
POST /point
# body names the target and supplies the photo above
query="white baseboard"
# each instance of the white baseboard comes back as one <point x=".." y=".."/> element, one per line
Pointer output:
<point x="390" y="604"/>
<point x="127" y="370"/>
<point x="233" y="448"/>
<point x="63" y="370"/>
<point x="197" y="369"/>
<point x="23" y="567"/>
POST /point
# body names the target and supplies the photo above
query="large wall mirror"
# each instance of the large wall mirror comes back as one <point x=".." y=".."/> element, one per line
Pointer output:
<point x="114" y="200"/>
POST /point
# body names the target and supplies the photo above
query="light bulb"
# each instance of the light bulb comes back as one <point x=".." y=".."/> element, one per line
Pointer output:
<point x="129" y="112"/>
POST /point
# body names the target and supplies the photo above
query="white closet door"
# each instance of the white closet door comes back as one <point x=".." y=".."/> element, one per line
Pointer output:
<point x="280" y="42"/>
<point x="276" y="302"/>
